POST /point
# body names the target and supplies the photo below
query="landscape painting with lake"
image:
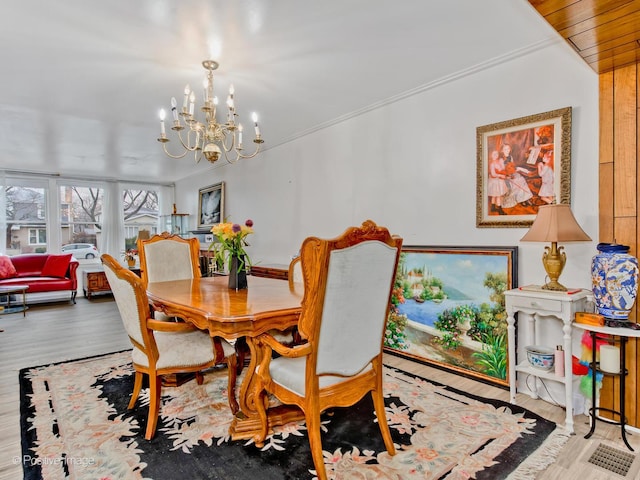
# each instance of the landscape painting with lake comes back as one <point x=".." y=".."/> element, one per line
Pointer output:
<point x="447" y="308"/>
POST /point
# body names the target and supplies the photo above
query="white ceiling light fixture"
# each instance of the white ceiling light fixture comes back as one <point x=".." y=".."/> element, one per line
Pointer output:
<point x="209" y="139"/>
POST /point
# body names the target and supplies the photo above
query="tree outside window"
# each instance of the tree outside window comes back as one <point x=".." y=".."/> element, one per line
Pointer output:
<point x="141" y="212"/>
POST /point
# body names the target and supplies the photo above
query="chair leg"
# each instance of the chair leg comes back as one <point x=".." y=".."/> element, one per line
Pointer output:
<point x="155" y="384"/>
<point x="199" y="378"/>
<point x="378" y="403"/>
<point x="315" y="442"/>
<point x="231" y="383"/>
<point x="137" y="385"/>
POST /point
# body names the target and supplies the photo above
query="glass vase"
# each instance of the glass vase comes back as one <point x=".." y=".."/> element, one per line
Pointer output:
<point x="238" y="273"/>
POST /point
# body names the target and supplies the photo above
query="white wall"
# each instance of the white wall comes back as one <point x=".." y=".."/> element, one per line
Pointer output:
<point x="411" y="166"/>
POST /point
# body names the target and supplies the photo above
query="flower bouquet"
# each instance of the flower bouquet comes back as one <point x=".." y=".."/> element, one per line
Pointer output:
<point x="232" y="238"/>
<point x="130" y="257"/>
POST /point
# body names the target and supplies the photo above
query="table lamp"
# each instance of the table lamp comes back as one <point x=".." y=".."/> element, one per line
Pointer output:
<point x="555" y="223"/>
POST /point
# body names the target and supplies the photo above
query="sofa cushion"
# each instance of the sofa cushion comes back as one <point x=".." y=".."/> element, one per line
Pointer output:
<point x="7" y="270"/>
<point x="39" y="284"/>
<point x="56" y="266"/>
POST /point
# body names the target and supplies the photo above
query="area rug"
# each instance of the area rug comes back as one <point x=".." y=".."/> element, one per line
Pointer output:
<point x="75" y="424"/>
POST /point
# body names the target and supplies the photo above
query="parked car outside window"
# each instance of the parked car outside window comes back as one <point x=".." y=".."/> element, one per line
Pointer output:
<point x="81" y="250"/>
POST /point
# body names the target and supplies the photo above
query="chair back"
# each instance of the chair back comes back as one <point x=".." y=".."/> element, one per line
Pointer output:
<point x="131" y="299"/>
<point x="166" y="257"/>
<point x="348" y="283"/>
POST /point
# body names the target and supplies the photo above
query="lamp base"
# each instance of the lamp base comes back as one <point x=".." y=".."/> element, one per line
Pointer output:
<point x="553" y="260"/>
<point x="555" y="286"/>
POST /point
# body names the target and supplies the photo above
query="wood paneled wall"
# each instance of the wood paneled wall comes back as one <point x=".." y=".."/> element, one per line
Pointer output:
<point x="620" y="200"/>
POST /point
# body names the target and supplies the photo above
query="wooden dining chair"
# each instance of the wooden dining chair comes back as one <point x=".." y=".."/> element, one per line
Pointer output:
<point x="166" y="257"/>
<point x="160" y="347"/>
<point x="347" y="289"/>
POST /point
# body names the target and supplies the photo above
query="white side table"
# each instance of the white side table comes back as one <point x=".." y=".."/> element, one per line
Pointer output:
<point x="539" y="306"/>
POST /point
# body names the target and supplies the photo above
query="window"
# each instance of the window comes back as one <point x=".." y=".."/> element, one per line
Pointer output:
<point x="26" y="207"/>
<point x="37" y="236"/>
<point x="43" y="214"/>
<point x="141" y="212"/>
<point x="80" y="214"/>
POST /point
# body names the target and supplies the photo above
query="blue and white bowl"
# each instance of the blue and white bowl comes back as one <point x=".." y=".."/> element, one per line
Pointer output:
<point x="540" y="357"/>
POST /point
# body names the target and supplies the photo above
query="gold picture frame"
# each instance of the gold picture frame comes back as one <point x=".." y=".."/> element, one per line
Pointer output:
<point x="522" y="164"/>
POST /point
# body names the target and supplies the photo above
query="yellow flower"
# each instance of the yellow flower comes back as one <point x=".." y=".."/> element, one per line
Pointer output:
<point x="231" y="240"/>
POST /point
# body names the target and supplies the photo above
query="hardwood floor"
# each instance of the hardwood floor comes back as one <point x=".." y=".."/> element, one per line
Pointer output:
<point x="57" y="332"/>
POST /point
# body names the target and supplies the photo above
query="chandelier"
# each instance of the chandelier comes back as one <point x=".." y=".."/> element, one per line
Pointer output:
<point x="209" y="138"/>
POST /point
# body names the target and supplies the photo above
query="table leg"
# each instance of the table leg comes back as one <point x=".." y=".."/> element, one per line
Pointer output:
<point x="246" y="424"/>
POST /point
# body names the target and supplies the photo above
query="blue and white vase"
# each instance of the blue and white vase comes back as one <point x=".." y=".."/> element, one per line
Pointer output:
<point x="614" y="276"/>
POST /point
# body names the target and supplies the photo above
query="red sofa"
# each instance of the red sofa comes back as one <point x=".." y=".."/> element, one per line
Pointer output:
<point x="50" y="277"/>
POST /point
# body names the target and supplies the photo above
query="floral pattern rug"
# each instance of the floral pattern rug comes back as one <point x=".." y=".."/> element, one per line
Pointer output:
<point x="75" y="424"/>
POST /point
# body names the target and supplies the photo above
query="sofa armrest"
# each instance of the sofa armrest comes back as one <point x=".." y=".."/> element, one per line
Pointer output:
<point x="72" y="273"/>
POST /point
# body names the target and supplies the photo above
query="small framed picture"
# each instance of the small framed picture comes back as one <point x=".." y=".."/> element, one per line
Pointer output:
<point x="211" y="205"/>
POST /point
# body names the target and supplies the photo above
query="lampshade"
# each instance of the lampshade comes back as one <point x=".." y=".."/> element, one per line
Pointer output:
<point x="555" y="223"/>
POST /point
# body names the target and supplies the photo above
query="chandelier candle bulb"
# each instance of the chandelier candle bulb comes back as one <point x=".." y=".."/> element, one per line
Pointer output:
<point x="254" y="116"/>
<point x="174" y="110"/>
<point x="163" y="132"/>
<point x="187" y="90"/>
<point x="192" y="102"/>
<point x="610" y="359"/>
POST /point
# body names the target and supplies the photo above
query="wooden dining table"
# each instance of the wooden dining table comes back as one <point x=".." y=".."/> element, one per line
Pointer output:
<point x="209" y="304"/>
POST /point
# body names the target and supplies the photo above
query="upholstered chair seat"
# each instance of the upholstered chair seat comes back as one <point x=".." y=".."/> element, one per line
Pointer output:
<point x="182" y="348"/>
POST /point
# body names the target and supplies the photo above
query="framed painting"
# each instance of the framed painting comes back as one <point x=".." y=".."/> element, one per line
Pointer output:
<point x="210" y="205"/>
<point x="522" y="164"/>
<point x="448" y="310"/>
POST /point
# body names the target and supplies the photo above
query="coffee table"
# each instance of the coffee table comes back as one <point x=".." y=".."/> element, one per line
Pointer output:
<point x="10" y="289"/>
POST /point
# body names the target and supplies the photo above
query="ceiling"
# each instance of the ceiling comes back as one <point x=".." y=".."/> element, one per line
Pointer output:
<point x="605" y="34"/>
<point x="83" y="80"/>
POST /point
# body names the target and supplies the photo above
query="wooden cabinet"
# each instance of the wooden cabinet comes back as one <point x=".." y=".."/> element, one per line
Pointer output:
<point x="279" y="272"/>
<point x="95" y="281"/>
